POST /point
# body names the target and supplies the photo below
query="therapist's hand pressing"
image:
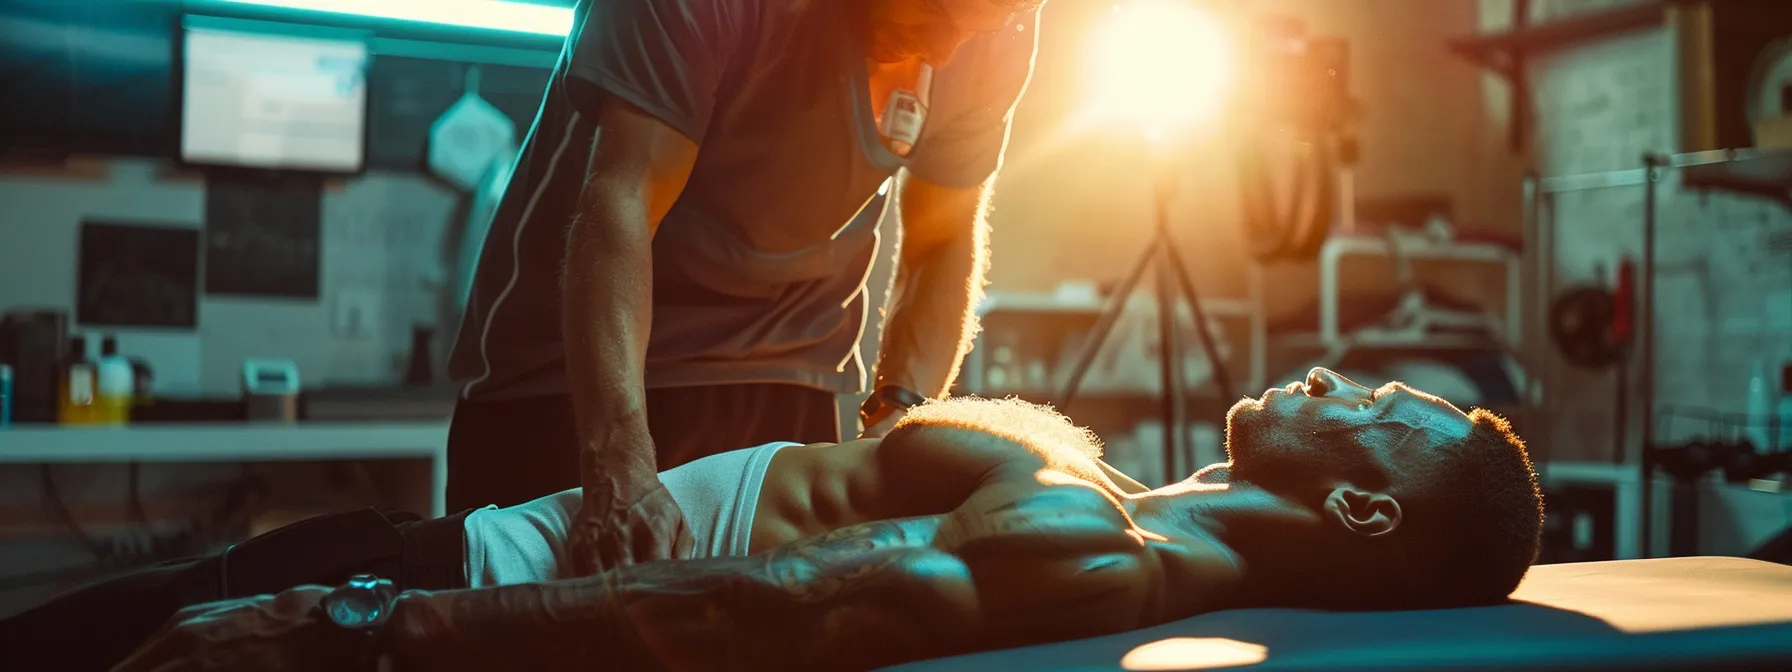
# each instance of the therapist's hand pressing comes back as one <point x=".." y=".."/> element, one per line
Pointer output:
<point x="650" y="529"/>
<point x="627" y="517"/>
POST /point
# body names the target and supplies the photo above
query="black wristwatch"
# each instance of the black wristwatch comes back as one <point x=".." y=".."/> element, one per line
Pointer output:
<point x="360" y="609"/>
<point x="886" y="400"/>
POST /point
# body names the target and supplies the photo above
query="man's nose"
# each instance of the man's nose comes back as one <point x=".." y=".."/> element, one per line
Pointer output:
<point x="1322" y="382"/>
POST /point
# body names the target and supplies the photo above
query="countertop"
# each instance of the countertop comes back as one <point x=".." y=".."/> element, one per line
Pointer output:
<point x="248" y="441"/>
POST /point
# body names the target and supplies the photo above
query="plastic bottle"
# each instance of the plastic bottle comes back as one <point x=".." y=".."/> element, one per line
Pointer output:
<point x="5" y="395"/>
<point x="143" y="379"/>
<point x="77" y="388"/>
<point x="117" y="388"/>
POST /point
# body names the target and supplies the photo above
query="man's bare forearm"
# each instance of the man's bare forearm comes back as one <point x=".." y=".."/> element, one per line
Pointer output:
<point x="857" y="598"/>
<point x="606" y="310"/>
<point x="639" y="166"/>
<point x="931" y="319"/>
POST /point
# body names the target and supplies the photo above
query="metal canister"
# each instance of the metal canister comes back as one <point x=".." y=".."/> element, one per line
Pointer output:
<point x="5" y="395"/>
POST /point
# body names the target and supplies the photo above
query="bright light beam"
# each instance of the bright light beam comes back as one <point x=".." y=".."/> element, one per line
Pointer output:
<point x="491" y="14"/>
<point x="1160" y="66"/>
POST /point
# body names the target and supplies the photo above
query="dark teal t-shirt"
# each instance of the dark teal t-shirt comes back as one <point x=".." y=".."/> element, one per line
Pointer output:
<point x="759" y="267"/>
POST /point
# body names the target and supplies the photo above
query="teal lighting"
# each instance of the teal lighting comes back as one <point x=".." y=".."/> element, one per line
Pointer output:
<point x="488" y="14"/>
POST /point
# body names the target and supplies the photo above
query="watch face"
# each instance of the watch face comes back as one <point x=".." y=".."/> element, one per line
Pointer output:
<point x="352" y="609"/>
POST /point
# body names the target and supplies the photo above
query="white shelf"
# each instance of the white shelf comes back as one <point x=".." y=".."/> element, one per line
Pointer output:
<point x="256" y="442"/>
<point x="238" y="442"/>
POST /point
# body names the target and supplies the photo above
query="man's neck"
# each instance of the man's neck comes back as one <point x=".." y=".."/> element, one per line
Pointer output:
<point x="1236" y="517"/>
<point x="1214" y="507"/>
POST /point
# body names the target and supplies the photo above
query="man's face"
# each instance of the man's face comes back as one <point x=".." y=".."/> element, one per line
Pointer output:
<point x="932" y="30"/>
<point x="1308" y="437"/>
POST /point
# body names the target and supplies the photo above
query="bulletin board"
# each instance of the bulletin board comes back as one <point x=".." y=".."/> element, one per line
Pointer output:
<point x="262" y="233"/>
<point x="134" y="274"/>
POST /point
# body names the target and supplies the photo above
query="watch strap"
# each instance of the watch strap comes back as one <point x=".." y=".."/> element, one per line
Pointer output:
<point x="885" y="399"/>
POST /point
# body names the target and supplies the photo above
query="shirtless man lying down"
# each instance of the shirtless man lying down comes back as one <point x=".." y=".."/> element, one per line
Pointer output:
<point x="975" y="525"/>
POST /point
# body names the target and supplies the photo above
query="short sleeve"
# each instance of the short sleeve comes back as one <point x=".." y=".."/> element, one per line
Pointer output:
<point x="667" y="57"/>
<point x="972" y="103"/>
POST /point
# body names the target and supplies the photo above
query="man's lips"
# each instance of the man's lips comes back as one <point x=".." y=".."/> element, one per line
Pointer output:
<point x="1291" y="388"/>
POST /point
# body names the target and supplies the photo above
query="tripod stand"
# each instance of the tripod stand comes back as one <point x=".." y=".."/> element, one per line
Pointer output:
<point x="1173" y="282"/>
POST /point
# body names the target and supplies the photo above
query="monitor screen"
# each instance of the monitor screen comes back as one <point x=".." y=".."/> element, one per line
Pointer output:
<point x="269" y="100"/>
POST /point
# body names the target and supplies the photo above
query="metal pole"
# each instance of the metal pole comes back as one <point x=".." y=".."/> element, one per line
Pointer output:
<point x="1645" y="310"/>
<point x="1539" y="207"/>
<point x="1104" y="327"/>
<point x="1169" y="354"/>
<point x="1221" y="377"/>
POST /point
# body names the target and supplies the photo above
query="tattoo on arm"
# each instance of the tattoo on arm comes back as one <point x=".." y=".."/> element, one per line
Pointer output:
<point x="858" y="597"/>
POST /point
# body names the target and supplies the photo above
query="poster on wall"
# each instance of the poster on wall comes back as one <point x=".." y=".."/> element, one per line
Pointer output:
<point x="138" y="275"/>
<point x="262" y="234"/>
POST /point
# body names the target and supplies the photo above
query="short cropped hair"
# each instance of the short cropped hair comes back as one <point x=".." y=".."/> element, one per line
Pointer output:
<point x="1472" y="529"/>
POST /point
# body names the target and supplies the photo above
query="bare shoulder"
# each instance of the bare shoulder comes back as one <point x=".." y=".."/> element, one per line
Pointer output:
<point x="1027" y="506"/>
<point x="1053" y="557"/>
<point x="963" y="448"/>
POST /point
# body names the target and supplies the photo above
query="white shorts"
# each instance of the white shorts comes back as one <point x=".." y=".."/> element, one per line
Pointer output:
<point x="527" y="543"/>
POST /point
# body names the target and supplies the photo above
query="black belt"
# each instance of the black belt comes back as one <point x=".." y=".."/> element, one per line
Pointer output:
<point x="327" y="550"/>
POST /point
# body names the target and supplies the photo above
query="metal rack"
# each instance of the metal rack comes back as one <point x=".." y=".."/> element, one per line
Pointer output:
<point x="1766" y="174"/>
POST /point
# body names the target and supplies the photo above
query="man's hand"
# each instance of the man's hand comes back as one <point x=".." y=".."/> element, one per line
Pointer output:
<point x="639" y="166"/>
<point x="605" y="536"/>
<point x="627" y="516"/>
<point x="267" y="632"/>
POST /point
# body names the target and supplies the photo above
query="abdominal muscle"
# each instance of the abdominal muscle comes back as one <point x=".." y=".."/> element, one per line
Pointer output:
<point x="818" y="488"/>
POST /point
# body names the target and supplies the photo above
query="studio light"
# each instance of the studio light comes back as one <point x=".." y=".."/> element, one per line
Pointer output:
<point x="1158" y="66"/>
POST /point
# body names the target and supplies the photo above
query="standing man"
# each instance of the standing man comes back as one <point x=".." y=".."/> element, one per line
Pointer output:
<point x="678" y="266"/>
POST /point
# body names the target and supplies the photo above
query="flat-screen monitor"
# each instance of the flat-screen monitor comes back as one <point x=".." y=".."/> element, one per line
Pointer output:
<point x="272" y="99"/>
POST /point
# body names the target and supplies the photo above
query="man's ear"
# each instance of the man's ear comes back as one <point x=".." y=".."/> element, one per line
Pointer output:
<point x="1370" y="514"/>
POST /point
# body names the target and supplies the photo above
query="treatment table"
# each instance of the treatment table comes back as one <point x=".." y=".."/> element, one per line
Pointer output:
<point x="1661" y="614"/>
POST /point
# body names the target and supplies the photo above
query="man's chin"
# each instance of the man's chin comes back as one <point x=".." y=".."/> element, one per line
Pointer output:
<point x="1241" y="413"/>
<point x="1240" y="419"/>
